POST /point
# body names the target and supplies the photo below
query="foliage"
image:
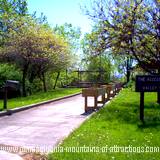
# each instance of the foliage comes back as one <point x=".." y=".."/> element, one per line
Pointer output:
<point x="8" y="72"/>
<point x="92" y="43"/>
<point x="101" y="64"/>
<point x="14" y="7"/>
<point x="66" y="78"/>
<point x="117" y="124"/>
<point x="130" y="27"/>
<point x="9" y="11"/>
<point x="95" y="59"/>
<point x="35" y="49"/>
<point x="32" y="45"/>
<point x="125" y="65"/>
<point x="72" y="36"/>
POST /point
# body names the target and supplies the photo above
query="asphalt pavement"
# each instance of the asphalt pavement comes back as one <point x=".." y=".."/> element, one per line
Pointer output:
<point x="41" y="128"/>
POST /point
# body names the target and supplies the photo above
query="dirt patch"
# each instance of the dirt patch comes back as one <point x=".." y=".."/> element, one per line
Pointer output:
<point x="26" y="156"/>
<point x="34" y="156"/>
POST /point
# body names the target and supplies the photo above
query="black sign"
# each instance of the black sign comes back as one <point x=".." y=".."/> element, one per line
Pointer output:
<point x="12" y="84"/>
<point x="148" y="83"/>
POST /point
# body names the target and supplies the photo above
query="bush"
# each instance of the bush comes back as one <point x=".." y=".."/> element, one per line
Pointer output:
<point x="9" y="72"/>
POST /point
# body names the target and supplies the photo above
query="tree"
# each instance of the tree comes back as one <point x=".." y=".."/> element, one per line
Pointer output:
<point x="9" y="11"/>
<point x="131" y="26"/>
<point x="102" y="67"/>
<point x="124" y="65"/>
<point x="35" y="45"/>
<point x="71" y="36"/>
<point x="8" y="71"/>
<point x="95" y="58"/>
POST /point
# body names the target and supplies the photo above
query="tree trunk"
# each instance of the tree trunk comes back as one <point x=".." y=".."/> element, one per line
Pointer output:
<point x="66" y="77"/>
<point x="128" y="70"/>
<point x="158" y="93"/>
<point x="128" y="75"/>
<point x="44" y="82"/>
<point x="58" y="74"/>
<point x="24" y="82"/>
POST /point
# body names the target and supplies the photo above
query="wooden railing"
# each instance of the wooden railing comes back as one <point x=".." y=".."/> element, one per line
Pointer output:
<point x="105" y="91"/>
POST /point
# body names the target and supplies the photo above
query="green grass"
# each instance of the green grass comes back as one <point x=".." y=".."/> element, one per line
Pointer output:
<point x="39" y="97"/>
<point x="117" y="124"/>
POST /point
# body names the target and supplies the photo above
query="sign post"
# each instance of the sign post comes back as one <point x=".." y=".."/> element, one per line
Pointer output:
<point x="158" y="97"/>
<point x="146" y="83"/>
<point x="142" y="106"/>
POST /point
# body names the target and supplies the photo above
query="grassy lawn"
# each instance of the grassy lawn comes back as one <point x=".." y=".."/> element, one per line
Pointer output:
<point x="117" y="125"/>
<point x="39" y="97"/>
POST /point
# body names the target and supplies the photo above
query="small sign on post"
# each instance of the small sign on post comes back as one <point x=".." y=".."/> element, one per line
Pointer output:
<point x="146" y="83"/>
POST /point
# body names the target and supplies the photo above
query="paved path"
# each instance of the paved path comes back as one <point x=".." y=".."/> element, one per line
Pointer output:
<point x="9" y="156"/>
<point x="44" y="126"/>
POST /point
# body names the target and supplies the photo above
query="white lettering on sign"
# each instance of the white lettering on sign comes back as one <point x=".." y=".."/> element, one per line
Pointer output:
<point x="150" y="87"/>
<point x="142" y="79"/>
<point x="153" y="79"/>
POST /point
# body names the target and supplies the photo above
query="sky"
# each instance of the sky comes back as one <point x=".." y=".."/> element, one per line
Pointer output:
<point x="61" y="11"/>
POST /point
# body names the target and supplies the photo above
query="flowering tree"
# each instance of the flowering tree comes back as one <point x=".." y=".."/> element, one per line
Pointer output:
<point x="130" y="27"/>
<point x="9" y="10"/>
<point x="31" y="44"/>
